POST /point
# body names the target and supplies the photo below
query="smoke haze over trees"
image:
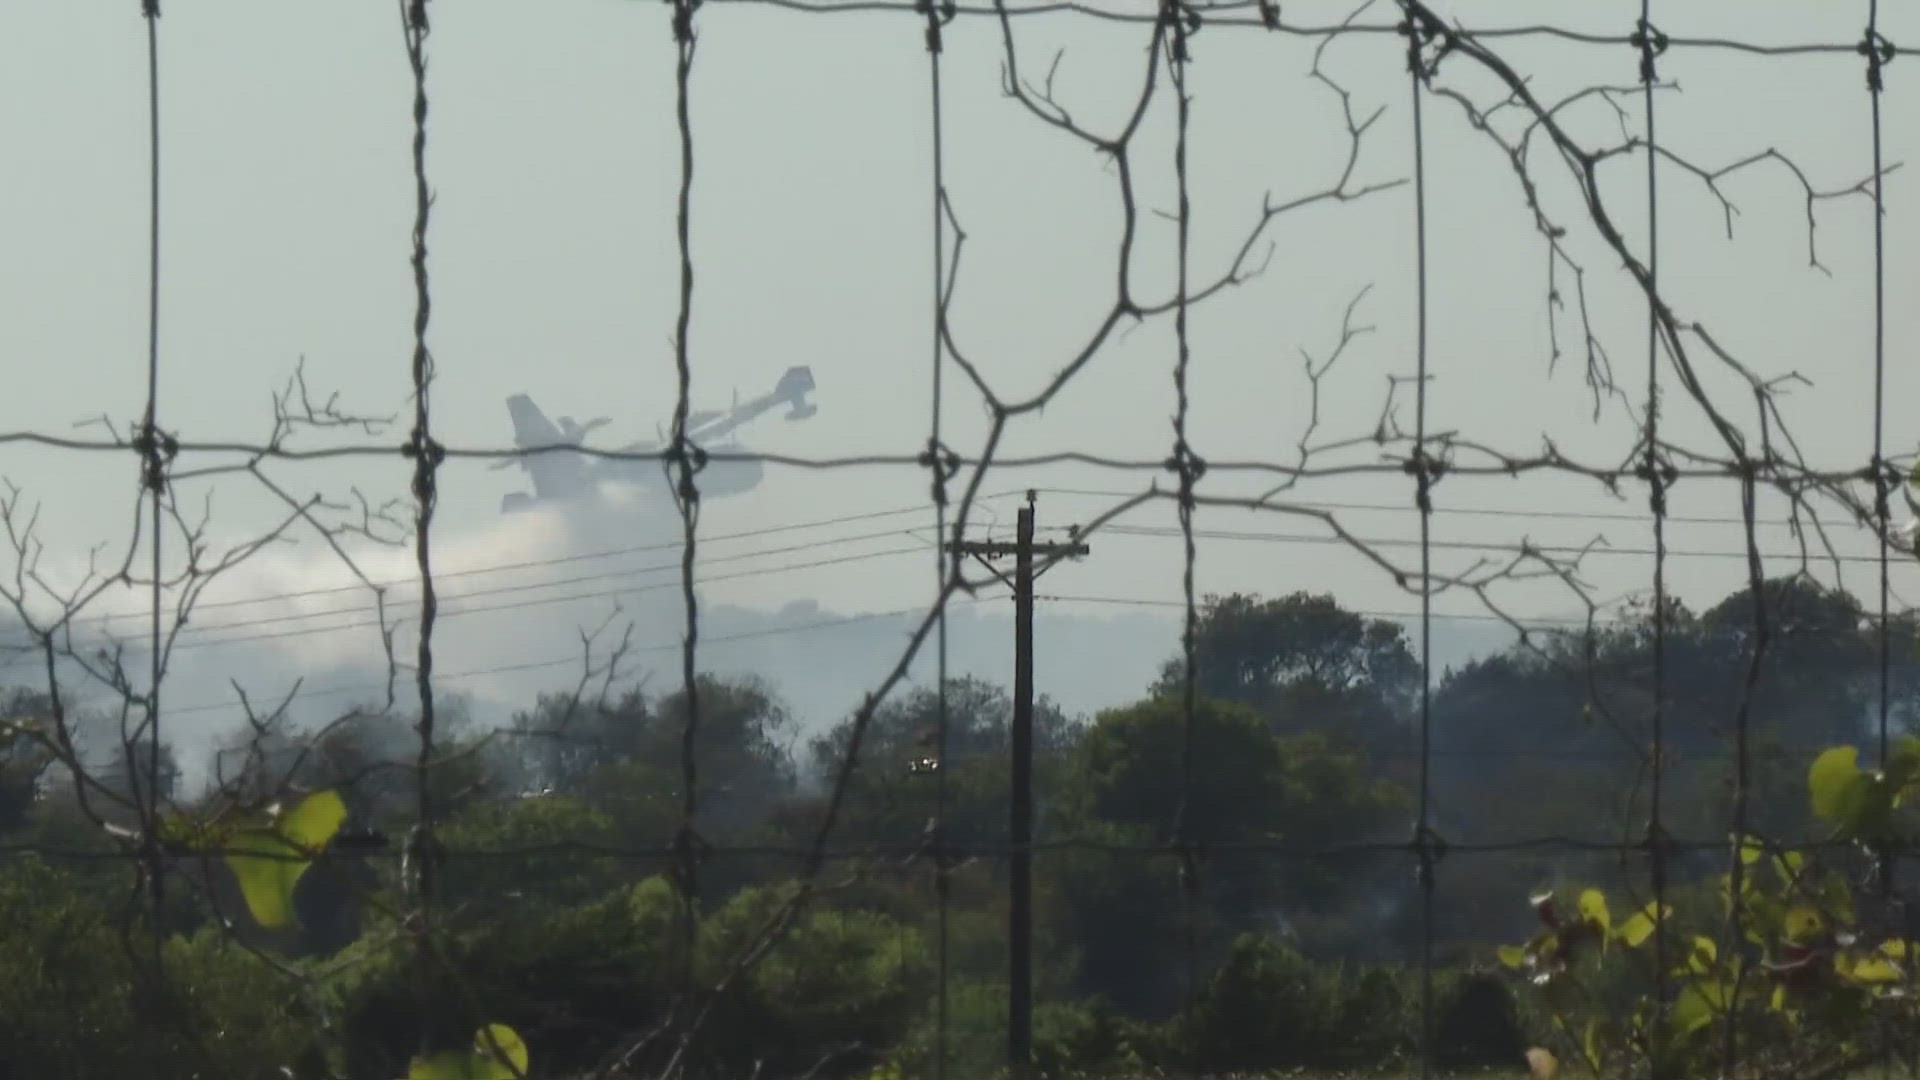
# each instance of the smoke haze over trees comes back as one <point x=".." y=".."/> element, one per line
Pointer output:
<point x="561" y="825"/>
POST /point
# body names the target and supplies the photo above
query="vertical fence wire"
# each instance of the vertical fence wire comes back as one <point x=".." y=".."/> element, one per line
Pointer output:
<point x="427" y="455"/>
<point x="942" y="882"/>
<point x="1417" y="31"/>
<point x="1187" y="464"/>
<point x="1653" y="471"/>
<point x="689" y="459"/>
<point x="1742" y="765"/>
<point x="1881" y="479"/>
<point x="1882" y="482"/>
<point x="149" y="445"/>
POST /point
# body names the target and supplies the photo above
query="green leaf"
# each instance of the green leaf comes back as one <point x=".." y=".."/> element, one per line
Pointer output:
<point x="1593" y="908"/>
<point x="314" y="820"/>
<point x="268" y="862"/>
<point x="1592" y="1044"/>
<point x="1903" y="769"/>
<point x="1872" y="806"/>
<point x="1801" y="922"/>
<point x="1513" y="956"/>
<point x="1832" y="780"/>
<point x="497" y="1054"/>
<point x="1704" y="955"/>
<point x="1750" y="850"/>
<point x="1789" y="866"/>
<point x="1868" y="969"/>
<point x="1639" y="926"/>
<point x="1694" y="1007"/>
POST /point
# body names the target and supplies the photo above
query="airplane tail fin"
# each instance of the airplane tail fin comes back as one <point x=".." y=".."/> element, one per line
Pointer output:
<point x="795" y="384"/>
<point x="530" y="426"/>
<point x="793" y="388"/>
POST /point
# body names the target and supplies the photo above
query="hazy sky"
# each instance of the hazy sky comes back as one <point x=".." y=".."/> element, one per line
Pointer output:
<point x="287" y="205"/>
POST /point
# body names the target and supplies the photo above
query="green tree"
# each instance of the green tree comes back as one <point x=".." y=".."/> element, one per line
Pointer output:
<point x="24" y="760"/>
<point x="892" y="794"/>
<point x="1252" y="791"/>
<point x="1554" y="738"/>
<point x="565" y="737"/>
<point x="1304" y="663"/>
<point x="370" y="756"/>
<point x="631" y="747"/>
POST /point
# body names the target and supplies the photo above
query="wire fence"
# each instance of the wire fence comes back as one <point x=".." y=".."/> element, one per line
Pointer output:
<point x="1448" y="66"/>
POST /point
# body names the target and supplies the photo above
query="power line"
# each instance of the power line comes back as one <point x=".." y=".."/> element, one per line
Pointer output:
<point x="544" y="601"/>
<point x="538" y="665"/>
<point x="1131" y="531"/>
<point x="577" y="579"/>
<point x="558" y="560"/>
<point x="525" y="564"/>
<point x="1123" y="530"/>
<point x="308" y="631"/>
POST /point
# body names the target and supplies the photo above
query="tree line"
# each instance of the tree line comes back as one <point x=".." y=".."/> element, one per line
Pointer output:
<point x="1282" y="939"/>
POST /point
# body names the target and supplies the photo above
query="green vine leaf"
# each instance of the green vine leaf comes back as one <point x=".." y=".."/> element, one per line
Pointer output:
<point x="1593" y="908"/>
<point x="1789" y="865"/>
<point x="1833" y="781"/>
<point x="1639" y="926"/>
<point x="1903" y="769"/>
<point x="268" y="862"/>
<point x="1704" y="956"/>
<point x="498" y="1053"/>
<point x="1695" y="1005"/>
<point x="1802" y="924"/>
<point x="1869" y="969"/>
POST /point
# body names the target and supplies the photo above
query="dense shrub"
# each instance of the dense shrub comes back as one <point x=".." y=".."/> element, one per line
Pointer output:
<point x="1269" y="1007"/>
<point x="1477" y="1025"/>
<point x="73" y="1003"/>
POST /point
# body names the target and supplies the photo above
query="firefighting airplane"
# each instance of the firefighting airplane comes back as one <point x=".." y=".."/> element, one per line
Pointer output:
<point x="569" y="478"/>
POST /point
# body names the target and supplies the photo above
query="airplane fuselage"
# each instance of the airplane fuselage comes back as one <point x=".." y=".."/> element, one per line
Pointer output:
<point x="567" y="477"/>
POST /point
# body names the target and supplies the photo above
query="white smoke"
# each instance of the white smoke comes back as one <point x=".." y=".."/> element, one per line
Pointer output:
<point x="520" y="596"/>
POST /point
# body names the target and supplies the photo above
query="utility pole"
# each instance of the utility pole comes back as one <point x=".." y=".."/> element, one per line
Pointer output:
<point x="1020" y="801"/>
